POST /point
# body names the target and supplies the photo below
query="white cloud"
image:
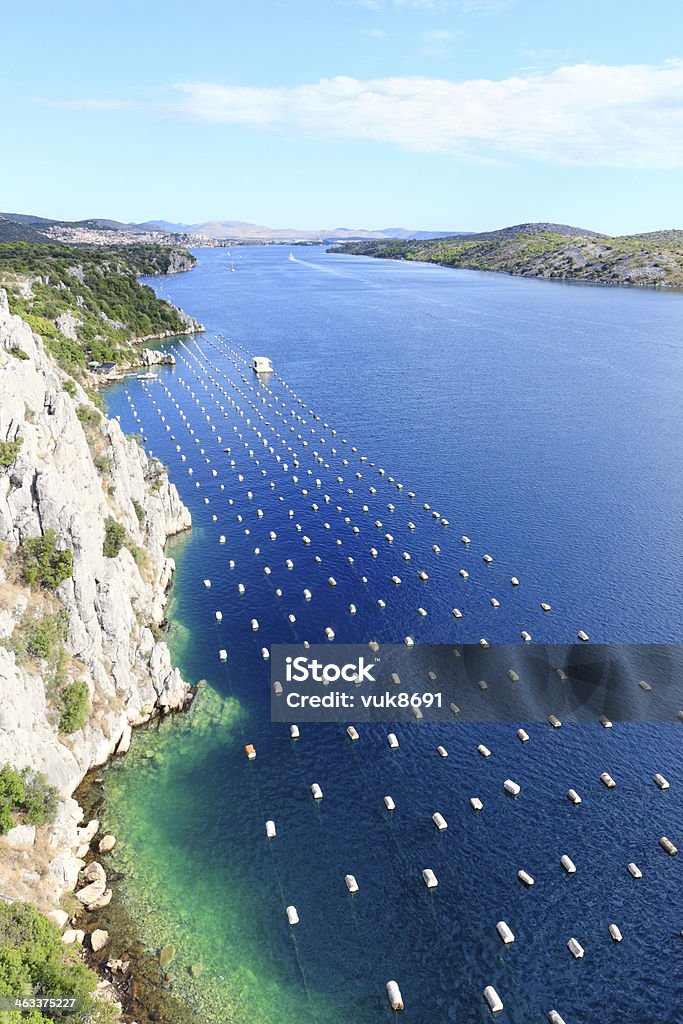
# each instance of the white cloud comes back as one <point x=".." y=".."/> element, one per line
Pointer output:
<point x="584" y="114"/>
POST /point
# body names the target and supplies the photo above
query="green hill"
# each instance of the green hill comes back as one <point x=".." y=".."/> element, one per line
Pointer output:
<point x="553" y="251"/>
<point x="87" y="302"/>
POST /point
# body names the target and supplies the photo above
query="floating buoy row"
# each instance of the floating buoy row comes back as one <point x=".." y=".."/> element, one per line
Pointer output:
<point x="488" y="557"/>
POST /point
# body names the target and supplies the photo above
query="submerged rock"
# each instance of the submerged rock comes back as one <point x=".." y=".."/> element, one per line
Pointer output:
<point x="166" y="956"/>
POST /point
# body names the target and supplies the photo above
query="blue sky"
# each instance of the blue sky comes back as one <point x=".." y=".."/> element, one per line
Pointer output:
<point x="439" y="114"/>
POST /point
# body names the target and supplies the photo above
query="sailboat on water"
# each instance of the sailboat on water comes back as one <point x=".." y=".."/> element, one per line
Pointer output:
<point x="291" y="258"/>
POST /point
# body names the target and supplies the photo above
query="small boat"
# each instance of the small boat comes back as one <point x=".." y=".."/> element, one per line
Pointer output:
<point x="291" y="258"/>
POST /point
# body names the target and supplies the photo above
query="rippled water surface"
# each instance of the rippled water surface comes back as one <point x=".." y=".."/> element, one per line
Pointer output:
<point x="543" y="421"/>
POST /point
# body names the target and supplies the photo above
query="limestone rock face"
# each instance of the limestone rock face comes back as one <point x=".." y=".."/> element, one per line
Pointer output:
<point x="155" y="357"/>
<point x="111" y="604"/>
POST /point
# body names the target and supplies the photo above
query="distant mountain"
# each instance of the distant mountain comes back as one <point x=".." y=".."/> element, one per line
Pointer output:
<point x="239" y="229"/>
<point x="28" y="227"/>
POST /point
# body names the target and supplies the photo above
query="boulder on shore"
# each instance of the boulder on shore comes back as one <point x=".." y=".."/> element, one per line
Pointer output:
<point x="99" y="939"/>
<point x="106" y="843"/>
<point x="59" y="917"/>
<point x="90" y="894"/>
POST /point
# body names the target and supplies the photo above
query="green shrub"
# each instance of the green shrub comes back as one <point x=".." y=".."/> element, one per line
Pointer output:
<point x="139" y="554"/>
<point x="27" y="793"/>
<point x="114" y="536"/>
<point x="70" y="388"/>
<point x="43" y="563"/>
<point x="75" y="701"/>
<point x="88" y="416"/>
<point x="9" y="451"/>
<point x="102" y="463"/>
<point x="44" y="635"/>
<point x="18" y="353"/>
<point x="34" y="961"/>
<point x="139" y="511"/>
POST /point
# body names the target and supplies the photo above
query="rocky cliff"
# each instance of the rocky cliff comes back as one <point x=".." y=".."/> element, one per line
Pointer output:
<point x="73" y="470"/>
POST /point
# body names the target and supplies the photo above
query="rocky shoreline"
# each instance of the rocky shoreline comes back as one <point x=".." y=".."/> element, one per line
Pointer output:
<point x="74" y="471"/>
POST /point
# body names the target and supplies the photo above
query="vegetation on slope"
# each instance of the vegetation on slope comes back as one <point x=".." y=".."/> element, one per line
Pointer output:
<point x="649" y="260"/>
<point x="25" y="794"/>
<point x="87" y="303"/>
<point x="34" y="962"/>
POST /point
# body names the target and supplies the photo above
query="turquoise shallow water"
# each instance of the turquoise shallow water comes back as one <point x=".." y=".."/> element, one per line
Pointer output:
<point x="190" y="810"/>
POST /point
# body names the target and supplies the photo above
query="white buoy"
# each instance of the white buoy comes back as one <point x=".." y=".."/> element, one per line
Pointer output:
<point x="513" y="788"/>
<point x="223" y="654"/>
<point x="575" y="948"/>
<point x="294" y="732"/>
<point x="207" y="583"/>
<point x="525" y="878"/>
<point x="316" y="791"/>
<point x="505" y="932"/>
<point x="240" y="588"/>
<point x="495" y="1003"/>
<point x="573" y="796"/>
<point x="392" y="740"/>
<point x="484" y="751"/>
<point x="660" y="781"/>
<point x="351" y="883"/>
<point x="394" y="996"/>
<point x="523" y="735"/>
<point x="292" y="915"/>
<point x="352" y="609"/>
<point x="430" y="879"/>
<point x="476" y="803"/>
<point x="270" y="830"/>
<point x="389" y="803"/>
<point x="219" y="616"/>
<point x="441" y="751"/>
<point x="568" y="864"/>
<point x="439" y="821"/>
<point x="514" y="581"/>
<point x="615" y="932"/>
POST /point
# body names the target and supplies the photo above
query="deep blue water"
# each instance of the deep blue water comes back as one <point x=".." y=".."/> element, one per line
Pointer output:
<point x="544" y="422"/>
